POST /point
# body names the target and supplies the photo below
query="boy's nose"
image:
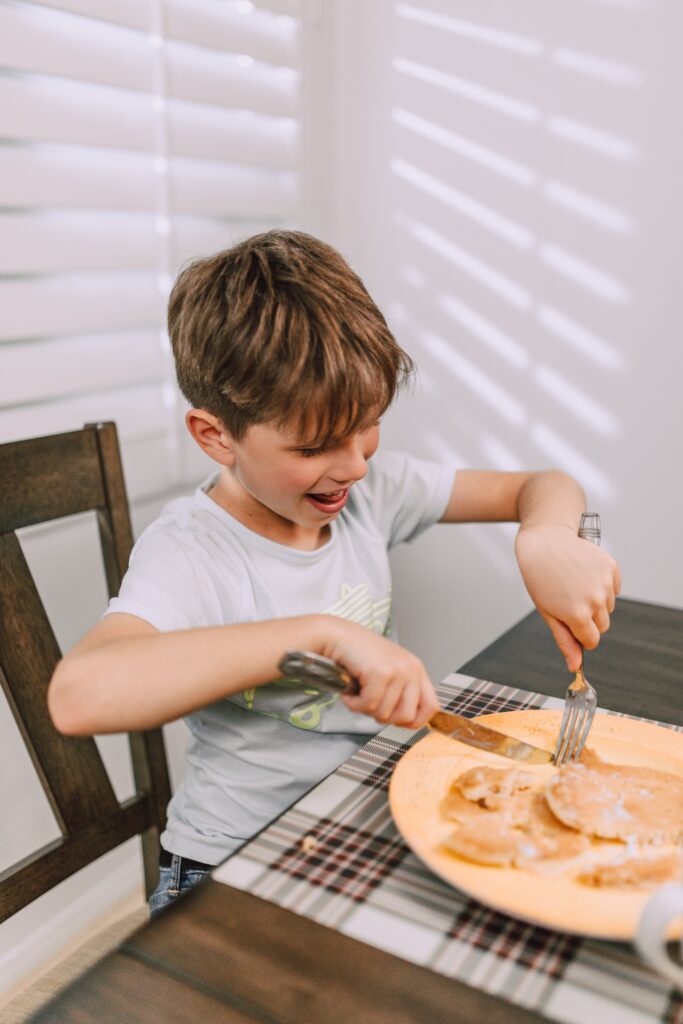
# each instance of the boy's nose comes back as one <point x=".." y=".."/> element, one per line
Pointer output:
<point x="350" y="467"/>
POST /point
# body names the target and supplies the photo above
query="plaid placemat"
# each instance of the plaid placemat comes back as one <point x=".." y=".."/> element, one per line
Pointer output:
<point x="337" y="857"/>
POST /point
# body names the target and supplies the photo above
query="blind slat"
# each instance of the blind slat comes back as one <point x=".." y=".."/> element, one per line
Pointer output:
<point x="46" y="109"/>
<point x="133" y="13"/>
<point x="74" y="176"/>
<point x="218" y="79"/>
<point x="203" y="132"/>
<point x="40" y="370"/>
<point x="34" y="38"/>
<point x="41" y="242"/>
<point x="36" y="307"/>
<point x="139" y="413"/>
<point x="288" y="8"/>
<point x="59" y="177"/>
<point x="230" y="191"/>
<point x="39" y="108"/>
<point x="223" y="27"/>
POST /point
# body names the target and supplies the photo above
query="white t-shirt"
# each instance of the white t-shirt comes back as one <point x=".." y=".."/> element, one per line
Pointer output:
<point x="254" y="753"/>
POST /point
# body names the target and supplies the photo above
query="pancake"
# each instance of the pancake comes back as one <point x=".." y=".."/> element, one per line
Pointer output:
<point x="491" y="787"/>
<point x="618" y="802"/>
<point x="550" y="837"/>
<point x="492" y="841"/>
<point x="636" y="872"/>
<point x="509" y="818"/>
<point x="456" y="807"/>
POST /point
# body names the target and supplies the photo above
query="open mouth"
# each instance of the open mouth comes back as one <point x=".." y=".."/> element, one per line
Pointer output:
<point x="331" y="501"/>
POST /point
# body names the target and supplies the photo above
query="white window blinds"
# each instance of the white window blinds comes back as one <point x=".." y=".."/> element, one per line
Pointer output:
<point x="134" y="134"/>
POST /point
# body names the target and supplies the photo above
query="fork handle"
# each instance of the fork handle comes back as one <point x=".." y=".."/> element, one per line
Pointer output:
<point x="590" y="529"/>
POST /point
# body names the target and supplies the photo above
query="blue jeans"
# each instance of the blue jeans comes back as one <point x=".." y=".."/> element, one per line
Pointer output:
<point x="174" y="882"/>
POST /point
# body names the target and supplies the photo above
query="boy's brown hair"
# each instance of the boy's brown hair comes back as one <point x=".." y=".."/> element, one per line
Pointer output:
<point x="278" y="329"/>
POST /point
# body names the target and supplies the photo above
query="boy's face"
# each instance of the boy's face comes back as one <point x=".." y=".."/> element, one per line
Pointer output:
<point x="277" y="479"/>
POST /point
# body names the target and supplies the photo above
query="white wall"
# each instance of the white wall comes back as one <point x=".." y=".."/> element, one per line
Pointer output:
<point x="506" y="181"/>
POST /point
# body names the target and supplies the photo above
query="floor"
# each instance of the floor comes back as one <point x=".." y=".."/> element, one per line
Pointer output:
<point x="17" y="1004"/>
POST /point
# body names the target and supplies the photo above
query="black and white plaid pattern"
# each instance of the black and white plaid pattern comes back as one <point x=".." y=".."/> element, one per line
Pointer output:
<point x="337" y="857"/>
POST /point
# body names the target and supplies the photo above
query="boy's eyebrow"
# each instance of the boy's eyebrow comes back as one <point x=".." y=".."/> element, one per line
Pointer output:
<point x="301" y="445"/>
<point x="326" y="442"/>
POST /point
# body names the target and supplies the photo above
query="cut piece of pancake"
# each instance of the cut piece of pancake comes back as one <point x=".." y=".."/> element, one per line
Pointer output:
<point x="636" y="872"/>
<point x="491" y="840"/>
<point x="454" y="807"/>
<point x="550" y="837"/>
<point x="618" y="802"/>
<point x="491" y="787"/>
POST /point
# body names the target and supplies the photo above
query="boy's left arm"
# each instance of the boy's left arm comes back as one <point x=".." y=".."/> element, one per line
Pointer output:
<point x="572" y="582"/>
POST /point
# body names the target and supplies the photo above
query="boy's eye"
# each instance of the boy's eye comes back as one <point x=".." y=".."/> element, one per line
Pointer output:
<point x="310" y="452"/>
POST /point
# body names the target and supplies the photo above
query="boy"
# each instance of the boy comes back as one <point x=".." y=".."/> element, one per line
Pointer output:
<point x="288" y="366"/>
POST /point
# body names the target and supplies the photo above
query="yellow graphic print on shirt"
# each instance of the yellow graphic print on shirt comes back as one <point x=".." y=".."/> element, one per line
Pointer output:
<point x="303" y="705"/>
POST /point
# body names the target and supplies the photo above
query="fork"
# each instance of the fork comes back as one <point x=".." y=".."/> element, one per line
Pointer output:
<point x="580" y="699"/>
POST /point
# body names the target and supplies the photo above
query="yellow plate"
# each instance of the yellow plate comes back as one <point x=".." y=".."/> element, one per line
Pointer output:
<point x="424" y="774"/>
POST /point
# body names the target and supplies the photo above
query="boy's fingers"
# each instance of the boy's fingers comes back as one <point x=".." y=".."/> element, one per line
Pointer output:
<point x="589" y="635"/>
<point x="406" y="709"/>
<point x="617" y="579"/>
<point x="388" y="705"/>
<point x="566" y="641"/>
<point x="601" y="620"/>
<point x="427" y="706"/>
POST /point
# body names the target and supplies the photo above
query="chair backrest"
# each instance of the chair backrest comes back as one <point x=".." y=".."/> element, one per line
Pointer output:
<point x="42" y="479"/>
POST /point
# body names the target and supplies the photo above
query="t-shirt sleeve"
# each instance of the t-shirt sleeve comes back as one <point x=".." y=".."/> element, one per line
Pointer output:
<point x="405" y="495"/>
<point x="169" y="584"/>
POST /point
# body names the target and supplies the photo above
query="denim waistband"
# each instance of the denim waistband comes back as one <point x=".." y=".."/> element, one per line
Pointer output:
<point x="165" y="859"/>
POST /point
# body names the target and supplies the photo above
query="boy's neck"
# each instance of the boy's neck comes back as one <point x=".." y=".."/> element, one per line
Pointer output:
<point x="242" y="506"/>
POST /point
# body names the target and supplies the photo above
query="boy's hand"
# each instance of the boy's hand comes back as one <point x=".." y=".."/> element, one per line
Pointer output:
<point x="394" y="685"/>
<point x="572" y="582"/>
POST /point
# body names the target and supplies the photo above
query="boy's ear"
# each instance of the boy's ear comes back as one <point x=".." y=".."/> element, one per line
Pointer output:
<point x="211" y="436"/>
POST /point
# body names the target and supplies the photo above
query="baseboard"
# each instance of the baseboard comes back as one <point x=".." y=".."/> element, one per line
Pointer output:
<point x="69" y="924"/>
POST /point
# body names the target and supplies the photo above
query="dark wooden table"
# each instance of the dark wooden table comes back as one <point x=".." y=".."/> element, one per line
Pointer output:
<point x="224" y="955"/>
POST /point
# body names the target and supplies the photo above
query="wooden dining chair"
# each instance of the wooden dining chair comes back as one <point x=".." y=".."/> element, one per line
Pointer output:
<point x="43" y="479"/>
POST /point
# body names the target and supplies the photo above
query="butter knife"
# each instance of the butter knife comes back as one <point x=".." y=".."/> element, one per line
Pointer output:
<point x="315" y="668"/>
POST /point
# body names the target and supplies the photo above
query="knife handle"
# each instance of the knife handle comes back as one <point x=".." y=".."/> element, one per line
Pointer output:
<point x="308" y="667"/>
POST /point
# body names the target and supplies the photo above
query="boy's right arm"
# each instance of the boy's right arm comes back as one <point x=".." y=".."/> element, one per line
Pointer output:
<point x="125" y="675"/>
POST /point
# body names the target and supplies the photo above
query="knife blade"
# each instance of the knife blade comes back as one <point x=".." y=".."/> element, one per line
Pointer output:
<point x="315" y="668"/>
<point x="476" y="735"/>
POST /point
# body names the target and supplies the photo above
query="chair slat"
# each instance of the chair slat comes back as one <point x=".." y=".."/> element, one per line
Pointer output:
<point x="150" y="771"/>
<point x="28" y="656"/>
<point x="42" y="479"/>
<point x="116" y="536"/>
<point x="47" y="867"/>
<point x="47" y="478"/>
